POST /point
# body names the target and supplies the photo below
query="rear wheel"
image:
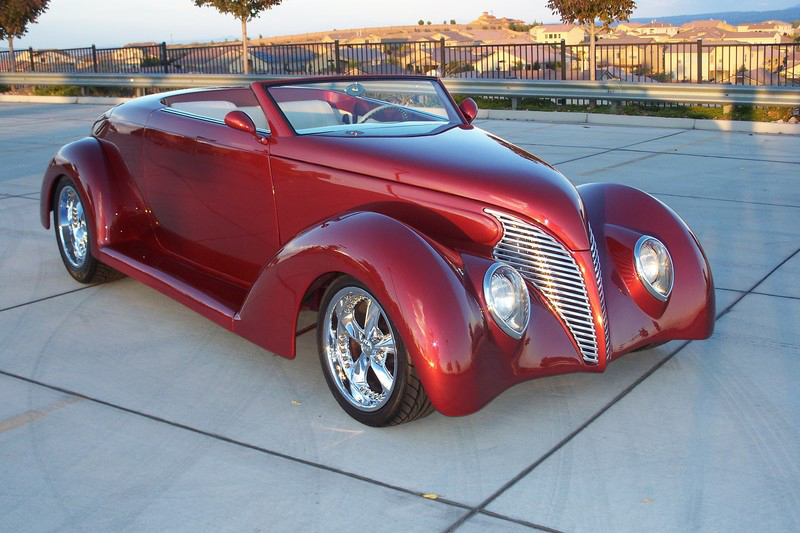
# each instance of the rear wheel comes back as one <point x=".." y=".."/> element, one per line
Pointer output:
<point x="74" y="237"/>
<point x="364" y="360"/>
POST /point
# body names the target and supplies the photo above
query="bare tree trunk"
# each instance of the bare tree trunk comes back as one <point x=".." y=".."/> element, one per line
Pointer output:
<point x="12" y="62"/>
<point x="245" y="56"/>
<point x="592" y="58"/>
<point x="11" y="59"/>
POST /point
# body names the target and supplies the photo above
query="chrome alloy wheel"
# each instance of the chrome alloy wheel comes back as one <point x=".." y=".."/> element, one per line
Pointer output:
<point x="360" y="348"/>
<point x="71" y="222"/>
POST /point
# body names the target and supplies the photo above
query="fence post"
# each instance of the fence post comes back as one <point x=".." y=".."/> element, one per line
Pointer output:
<point x="94" y="59"/>
<point x="164" y="56"/>
<point x="563" y="59"/>
<point x="336" y="52"/>
<point x="699" y="60"/>
<point x="443" y="62"/>
<point x="30" y="56"/>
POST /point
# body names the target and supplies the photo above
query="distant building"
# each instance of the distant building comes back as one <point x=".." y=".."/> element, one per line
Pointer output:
<point x="657" y="27"/>
<point x="708" y="24"/>
<point x="490" y="20"/>
<point x="769" y="26"/>
<point x="554" y="33"/>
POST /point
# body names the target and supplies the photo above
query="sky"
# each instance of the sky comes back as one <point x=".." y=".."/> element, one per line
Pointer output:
<point x="110" y="23"/>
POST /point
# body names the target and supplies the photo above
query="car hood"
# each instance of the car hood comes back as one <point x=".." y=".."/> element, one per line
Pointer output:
<point x="464" y="161"/>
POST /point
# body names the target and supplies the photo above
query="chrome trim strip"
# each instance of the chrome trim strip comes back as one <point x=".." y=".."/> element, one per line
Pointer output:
<point x="201" y="117"/>
<point x="550" y="267"/>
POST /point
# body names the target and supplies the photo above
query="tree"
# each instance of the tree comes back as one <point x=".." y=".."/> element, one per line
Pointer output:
<point x="452" y="21"/>
<point x="15" y="15"/>
<point x="588" y="12"/>
<point x="421" y="22"/>
<point x="244" y="10"/>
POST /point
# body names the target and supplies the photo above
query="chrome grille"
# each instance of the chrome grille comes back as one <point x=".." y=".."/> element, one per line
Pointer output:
<point x="601" y="294"/>
<point x="545" y="263"/>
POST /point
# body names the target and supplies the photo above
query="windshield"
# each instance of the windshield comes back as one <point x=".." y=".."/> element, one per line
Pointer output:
<point x="372" y="108"/>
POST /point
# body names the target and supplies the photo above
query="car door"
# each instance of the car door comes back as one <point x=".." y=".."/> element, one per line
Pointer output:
<point x="209" y="186"/>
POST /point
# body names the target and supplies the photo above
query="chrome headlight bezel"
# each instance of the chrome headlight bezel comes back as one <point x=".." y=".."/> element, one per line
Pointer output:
<point x="515" y="322"/>
<point x="666" y="271"/>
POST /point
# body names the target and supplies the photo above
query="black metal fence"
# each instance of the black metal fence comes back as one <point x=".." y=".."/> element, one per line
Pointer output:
<point x="695" y="62"/>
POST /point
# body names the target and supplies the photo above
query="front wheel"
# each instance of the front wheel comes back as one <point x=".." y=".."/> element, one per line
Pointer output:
<point x="364" y="360"/>
<point x="73" y="235"/>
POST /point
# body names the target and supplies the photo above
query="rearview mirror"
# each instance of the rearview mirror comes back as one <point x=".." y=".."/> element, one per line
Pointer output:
<point x="469" y="108"/>
<point x="239" y="120"/>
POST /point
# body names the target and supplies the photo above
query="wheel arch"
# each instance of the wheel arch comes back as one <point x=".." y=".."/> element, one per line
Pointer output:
<point x="424" y="295"/>
<point x="114" y="209"/>
<point x="618" y="215"/>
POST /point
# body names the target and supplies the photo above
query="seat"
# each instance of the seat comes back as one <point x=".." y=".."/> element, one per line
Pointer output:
<point x="306" y="114"/>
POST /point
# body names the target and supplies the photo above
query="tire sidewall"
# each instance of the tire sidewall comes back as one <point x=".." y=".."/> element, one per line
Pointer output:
<point x="389" y="411"/>
<point x="87" y="269"/>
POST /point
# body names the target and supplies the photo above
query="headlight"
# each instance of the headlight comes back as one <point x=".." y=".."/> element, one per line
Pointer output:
<point x="508" y="299"/>
<point x="654" y="267"/>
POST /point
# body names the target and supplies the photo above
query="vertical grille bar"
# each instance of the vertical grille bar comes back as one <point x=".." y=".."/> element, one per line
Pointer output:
<point x="546" y="264"/>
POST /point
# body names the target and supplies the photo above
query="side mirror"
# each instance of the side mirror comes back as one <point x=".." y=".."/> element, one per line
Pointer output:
<point x="469" y="108"/>
<point x="239" y="120"/>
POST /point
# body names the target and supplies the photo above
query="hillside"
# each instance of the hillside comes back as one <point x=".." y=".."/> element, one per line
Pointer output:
<point x="732" y="17"/>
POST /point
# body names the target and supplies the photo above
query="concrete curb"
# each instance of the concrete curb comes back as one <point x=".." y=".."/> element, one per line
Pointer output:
<point x="650" y="122"/>
<point x="95" y="100"/>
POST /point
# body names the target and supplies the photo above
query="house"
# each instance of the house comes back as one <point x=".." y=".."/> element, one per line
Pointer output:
<point x="454" y="37"/>
<point x="513" y="59"/>
<point x="554" y="33"/>
<point x="680" y="62"/>
<point x="769" y="26"/>
<point x="629" y="27"/>
<point x="419" y="61"/>
<point x="21" y="61"/>
<point x="632" y="53"/>
<point x="756" y="37"/>
<point x="388" y="68"/>
<point x="490" y="36"/>
<point x="54" y="61"/>
<point x="224" y="60"/>
<point x="487" y="19"/>
<point x="283" y="59"/>
<point x="657" y="27"/>
<point x="707" y="25"/>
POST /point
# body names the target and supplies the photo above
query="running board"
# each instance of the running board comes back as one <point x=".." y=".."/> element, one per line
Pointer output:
<point x="214" y="298"/>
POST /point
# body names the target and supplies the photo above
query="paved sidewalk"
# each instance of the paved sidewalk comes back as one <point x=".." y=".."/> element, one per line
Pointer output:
<point x="121" y="410"/>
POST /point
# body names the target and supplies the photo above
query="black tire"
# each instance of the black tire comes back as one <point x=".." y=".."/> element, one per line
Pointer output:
<point x="407" y="400"/>
<point x="83" y="267"/>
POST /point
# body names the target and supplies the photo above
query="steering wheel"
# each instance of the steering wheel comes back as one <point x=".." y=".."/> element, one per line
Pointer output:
<point x="381" y="108"/>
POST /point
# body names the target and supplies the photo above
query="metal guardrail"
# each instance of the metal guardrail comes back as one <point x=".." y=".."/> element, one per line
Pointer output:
<point x="630" y="91"/>
<point x="508" y="88"/>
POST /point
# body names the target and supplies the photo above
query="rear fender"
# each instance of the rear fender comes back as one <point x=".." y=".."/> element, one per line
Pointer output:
<point x="424" y="295"/>
<point x="113" y="207"/>
<point x="619" y="215"/>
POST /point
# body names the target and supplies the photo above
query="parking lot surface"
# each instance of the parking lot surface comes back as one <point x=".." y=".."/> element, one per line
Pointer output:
<point x="121" y="410"/>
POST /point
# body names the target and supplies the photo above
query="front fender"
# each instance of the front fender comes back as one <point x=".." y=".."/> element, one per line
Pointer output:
<point x="424" y="295"/>
<point x="113" y="207"/>
<point x="619" y="215"/>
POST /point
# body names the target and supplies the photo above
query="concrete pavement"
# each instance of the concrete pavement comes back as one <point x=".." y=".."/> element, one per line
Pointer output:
<point x="121" y="409"/>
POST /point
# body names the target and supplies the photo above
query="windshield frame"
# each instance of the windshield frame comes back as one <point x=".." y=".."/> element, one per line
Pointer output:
<point x="455" y="116"/>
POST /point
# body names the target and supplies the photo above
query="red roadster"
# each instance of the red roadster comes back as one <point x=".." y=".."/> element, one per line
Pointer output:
<point x="445" y="264"/>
